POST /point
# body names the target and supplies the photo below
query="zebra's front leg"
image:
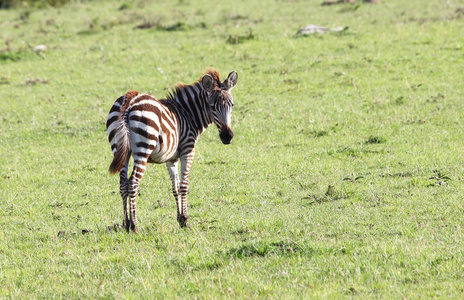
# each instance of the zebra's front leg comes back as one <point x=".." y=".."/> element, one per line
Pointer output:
<point x="173" y="169"/>
<point x="186" y="164"/>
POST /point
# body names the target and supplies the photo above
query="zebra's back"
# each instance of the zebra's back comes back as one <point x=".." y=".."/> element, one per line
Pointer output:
<point x="150" y="126"/>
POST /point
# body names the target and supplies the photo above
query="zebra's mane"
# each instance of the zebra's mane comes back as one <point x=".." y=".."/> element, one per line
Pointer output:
<point x="181" y="86"/>
<point x="213" y="73"/>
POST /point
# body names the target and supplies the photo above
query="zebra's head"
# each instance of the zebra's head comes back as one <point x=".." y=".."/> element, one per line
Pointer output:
<point x="220" y="101"/>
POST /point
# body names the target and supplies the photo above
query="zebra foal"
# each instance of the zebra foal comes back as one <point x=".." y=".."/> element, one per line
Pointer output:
<point x="166" y="131"/>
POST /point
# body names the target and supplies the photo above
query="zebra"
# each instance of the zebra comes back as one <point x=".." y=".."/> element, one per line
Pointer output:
<point x="166" y="131"/>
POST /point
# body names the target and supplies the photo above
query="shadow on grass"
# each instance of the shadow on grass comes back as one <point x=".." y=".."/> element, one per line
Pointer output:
<point x="331" y="194"/>
<point x="354" y="152"/>
<point x="280" y="248"/>
<point x="264" y="249"/>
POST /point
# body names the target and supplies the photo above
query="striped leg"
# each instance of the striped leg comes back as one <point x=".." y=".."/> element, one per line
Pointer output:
<point x="140" y="164"/>
<point x="124" y="191"/>
<point x="173" y="169"/>
<point x="186" y="163"/>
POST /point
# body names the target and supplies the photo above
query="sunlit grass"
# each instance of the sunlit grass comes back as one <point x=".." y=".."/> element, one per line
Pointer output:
<point x="344" y="177"/>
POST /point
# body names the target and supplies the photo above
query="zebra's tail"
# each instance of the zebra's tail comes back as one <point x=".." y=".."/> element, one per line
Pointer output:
<point x="122" y="148"/>
<point x="118" y="130"/>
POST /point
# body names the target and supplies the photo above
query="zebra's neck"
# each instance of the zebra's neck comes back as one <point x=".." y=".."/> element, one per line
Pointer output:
<point x="193" y="99"/>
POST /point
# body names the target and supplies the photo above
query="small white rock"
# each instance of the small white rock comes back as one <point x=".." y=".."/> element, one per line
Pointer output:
<point x="310" y="29"/>
<point x="40" y="48"/>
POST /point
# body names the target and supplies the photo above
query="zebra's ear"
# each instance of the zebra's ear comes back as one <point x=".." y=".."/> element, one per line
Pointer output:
<point x="208" y="83"/>
<point x="231" y="80"/>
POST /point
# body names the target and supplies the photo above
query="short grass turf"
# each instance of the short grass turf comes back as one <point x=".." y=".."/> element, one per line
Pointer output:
<point x="345" y="176"/>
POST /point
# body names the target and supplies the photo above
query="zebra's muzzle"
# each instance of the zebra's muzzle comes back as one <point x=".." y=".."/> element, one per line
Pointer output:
<point x="226" y="136"/>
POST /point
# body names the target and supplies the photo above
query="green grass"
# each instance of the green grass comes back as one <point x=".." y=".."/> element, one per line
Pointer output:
<point x="345" y="176"/>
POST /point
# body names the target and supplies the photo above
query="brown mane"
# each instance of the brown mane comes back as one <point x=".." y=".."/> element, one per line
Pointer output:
<point x="210" y="71"/>
<point x="213" y="73"/>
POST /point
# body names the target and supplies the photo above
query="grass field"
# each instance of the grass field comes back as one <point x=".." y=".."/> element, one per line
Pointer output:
<point x="345" y="176"/>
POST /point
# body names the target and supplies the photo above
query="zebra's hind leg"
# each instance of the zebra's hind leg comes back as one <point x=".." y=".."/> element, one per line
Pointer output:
<point x="124" y="191"/>
<point x="140" y="164"/>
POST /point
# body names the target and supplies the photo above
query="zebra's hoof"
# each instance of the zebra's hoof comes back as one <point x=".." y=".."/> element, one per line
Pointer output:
<point x="130" y="226"/>
<point x="183" y="221"/>
<point x="126" y="224"/>
<point x="133" y="227"/>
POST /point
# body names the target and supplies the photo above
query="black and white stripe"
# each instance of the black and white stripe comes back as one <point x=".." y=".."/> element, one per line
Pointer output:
<point x="166" y="131"/>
